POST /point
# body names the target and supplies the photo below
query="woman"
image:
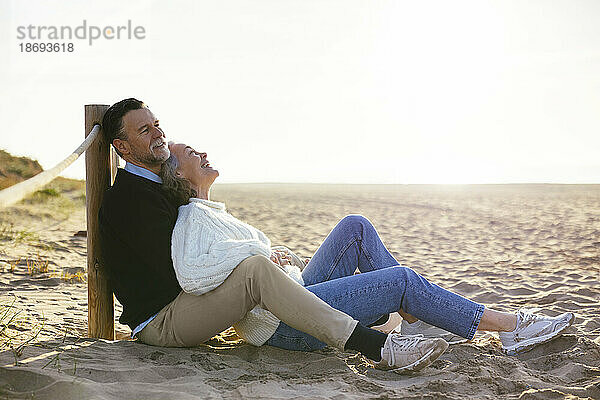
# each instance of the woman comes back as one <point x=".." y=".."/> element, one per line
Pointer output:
<point x="208" y="243"/>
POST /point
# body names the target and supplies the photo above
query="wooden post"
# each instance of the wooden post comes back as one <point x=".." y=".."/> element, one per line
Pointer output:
<point x="100" y="169"/>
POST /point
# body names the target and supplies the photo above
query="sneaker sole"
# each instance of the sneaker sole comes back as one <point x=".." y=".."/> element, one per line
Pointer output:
<point x="530" y="343"/>
<point x="457" y="340"/>
<point x="424" y="361"/>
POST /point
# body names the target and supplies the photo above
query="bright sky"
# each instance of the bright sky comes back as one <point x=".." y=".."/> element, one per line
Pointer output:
<point x="325" y="91"/>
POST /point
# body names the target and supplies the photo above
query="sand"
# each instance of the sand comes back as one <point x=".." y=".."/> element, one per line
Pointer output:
<point x="507" y="246"/>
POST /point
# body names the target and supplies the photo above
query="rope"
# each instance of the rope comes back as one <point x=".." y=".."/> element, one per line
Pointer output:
<point x="17" y="192"/>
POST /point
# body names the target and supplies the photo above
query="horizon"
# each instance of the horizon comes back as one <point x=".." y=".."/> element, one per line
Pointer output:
<point x="348" y="183"/>
<point x="393" y="92"/>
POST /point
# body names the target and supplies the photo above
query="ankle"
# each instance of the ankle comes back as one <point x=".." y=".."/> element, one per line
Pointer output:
<point x="381" y="321"/>
<point x="367" y="341"/>
<point x="508" y="323"/>
<point x="513" y="321"/>
<point x="407" y="317"/>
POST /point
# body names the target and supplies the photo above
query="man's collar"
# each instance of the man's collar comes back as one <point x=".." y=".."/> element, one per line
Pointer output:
<point x="143" y="172"/>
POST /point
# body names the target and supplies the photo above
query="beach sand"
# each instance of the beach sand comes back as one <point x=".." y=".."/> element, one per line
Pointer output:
<point x="507" y="246"/>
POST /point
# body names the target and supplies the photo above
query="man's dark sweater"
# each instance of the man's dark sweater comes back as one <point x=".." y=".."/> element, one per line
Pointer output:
<point x="136" y="221"/>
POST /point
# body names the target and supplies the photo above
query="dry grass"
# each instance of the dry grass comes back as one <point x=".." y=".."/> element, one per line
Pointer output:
<point x="41" y="265"/>
<point x="54" y="202"/>
<point x="7" y="231"/>
<point x="66" y="185"/>
<point x="226" y="339"/>
<point x="13" y="264"/>
<point x="16" y="169"/>
<point x="16" y="329"/>
<point x="68" y="192"/>
<point x="38" y="265"/>
<point x="62" y="191"/>
<point x="10" y="234"/>
<point x="78" y="277"/>
<point x="25" y="236"/>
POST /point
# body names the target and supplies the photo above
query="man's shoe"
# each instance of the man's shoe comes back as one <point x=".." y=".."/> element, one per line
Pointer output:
<point x="409" y="353"/>
<point x="533" y="329"/>
<point x="429" y="331"/>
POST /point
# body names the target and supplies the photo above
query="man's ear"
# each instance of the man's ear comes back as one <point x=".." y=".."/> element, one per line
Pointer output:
<point x="122" y="146"/>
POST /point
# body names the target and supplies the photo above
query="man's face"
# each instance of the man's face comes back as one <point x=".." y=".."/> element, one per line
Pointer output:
<point x="146" y="143"/>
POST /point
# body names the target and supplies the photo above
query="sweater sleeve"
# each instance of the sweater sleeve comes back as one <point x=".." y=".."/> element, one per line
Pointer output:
<point x="203" y="256"/>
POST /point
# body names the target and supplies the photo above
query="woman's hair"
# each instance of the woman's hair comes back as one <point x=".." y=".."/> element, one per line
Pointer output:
<point x="178" y="190"/>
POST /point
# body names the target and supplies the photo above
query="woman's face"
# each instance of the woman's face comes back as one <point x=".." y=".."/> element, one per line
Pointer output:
<point x="193" y="166"/>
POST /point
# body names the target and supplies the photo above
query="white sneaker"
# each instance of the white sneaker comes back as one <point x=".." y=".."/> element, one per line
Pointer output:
<point x="533" y="329"/>
<point x="409" y="353"/>
<point x="429" y="331"/>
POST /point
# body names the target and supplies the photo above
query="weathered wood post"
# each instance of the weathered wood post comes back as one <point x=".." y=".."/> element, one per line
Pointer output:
<point x="100" y="170"/>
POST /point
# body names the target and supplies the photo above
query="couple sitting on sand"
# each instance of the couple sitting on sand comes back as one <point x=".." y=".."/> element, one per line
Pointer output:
<point x="185" y="269"/>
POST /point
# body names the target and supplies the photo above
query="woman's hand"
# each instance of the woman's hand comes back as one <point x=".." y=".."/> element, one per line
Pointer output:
<point x="281" y="258"/>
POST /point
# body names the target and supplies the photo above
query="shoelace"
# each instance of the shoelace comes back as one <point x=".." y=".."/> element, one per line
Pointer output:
<point x="526" y="318"/>
<point x="401" y="343"/>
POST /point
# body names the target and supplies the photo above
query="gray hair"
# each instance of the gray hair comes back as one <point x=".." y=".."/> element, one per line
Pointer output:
<point x="178" y="190"/>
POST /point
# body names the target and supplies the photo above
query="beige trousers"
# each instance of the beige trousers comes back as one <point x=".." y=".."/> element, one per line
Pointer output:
<point x="190" y="320"/>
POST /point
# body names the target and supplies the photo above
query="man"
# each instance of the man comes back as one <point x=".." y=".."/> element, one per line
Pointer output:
<point x="136" y="219"/>
<point x="136" y="222"/>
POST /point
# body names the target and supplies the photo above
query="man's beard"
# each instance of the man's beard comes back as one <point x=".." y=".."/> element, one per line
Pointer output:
<point x="154" y="157"/>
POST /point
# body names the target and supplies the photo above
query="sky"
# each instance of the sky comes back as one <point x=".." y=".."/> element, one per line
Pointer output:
<point x="324" y="91"/>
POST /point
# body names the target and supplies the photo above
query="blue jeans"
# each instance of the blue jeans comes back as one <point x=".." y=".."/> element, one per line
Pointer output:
<point x="381" y="288"/>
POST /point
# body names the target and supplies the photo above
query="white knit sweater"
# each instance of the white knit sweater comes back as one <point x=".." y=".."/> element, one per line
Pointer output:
<point x="206" y="246"/>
